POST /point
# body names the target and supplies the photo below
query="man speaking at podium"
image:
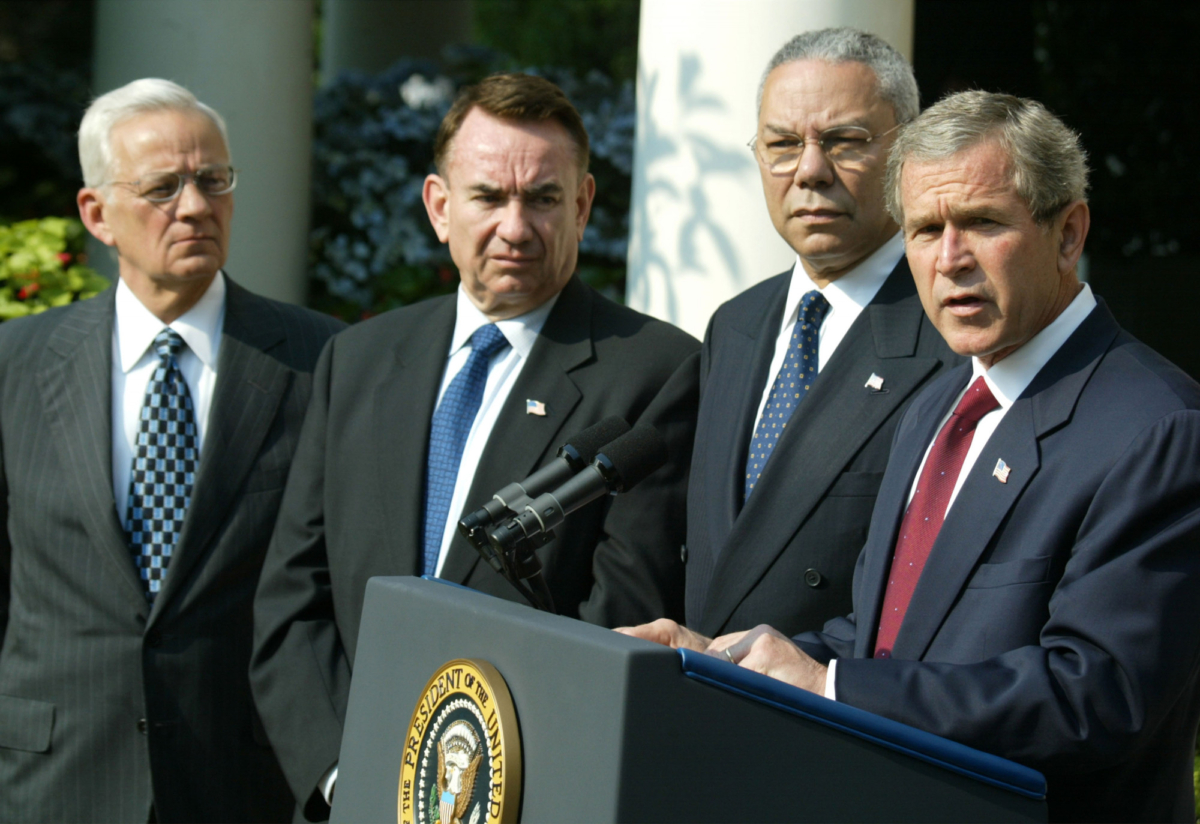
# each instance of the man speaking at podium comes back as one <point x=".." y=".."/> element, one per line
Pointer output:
<point x="1030" y="584"/>
<point x="421" y="414"/>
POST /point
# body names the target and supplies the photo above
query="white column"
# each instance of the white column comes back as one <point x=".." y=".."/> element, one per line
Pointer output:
<point x="699" y="228"/>
<point x="252" y="61"/>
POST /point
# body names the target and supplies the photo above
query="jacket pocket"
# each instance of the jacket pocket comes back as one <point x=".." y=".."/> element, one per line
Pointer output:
<point x="856" y="485"/>
<point x="25" y="724"/>
<point x="1024" y="571"/>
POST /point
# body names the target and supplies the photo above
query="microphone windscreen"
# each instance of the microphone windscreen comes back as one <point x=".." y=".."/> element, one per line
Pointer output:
<point x="636" y="454"/>
<point x="591" y="440"/>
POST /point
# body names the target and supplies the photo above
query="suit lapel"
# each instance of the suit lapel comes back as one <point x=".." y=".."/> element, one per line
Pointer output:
<point x="839" y="415"/>
<point x="250" y="384"/>
<point x="734" y="411"/>
<point x="520" y="440"/>
<point x="76" y="388"/>
<point x="983" y="502"/>
<point x="403" y="410"/>
<point x="916" y="431"/>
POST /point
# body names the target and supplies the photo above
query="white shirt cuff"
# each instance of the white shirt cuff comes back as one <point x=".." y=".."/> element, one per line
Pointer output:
<point x="325" y="785"/>
<point x="830" y="682"/>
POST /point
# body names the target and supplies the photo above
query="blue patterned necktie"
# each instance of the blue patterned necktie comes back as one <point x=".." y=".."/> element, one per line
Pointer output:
<point x="164" y="465"/>
<point x="791" y="384"/>
<point x="451" y="424"/>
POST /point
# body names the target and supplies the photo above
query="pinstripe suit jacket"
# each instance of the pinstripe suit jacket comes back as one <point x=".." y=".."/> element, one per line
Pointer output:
<point x="106" y="705"/>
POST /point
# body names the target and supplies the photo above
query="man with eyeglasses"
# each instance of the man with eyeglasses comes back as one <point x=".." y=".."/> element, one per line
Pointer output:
<point x="804" y="376"/>
<point x="145" y="435"/>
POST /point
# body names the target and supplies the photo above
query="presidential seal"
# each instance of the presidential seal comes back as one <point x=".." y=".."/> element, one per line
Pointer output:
<point x="462" y="754"/>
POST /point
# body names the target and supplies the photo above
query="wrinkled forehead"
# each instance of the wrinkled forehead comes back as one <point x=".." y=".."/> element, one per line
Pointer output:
<point x="166" y="139"/>
<point x="512" y="153"/>
<point x="819" y="93"/>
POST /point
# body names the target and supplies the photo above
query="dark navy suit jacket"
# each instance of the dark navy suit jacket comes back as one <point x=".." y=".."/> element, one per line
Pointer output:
<point x="1057" y="621"/>
<point x="787" y="557"/>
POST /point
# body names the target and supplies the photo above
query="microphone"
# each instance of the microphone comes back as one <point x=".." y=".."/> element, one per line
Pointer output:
<point x="573" y="456"/>
<point x="622" y="465"/>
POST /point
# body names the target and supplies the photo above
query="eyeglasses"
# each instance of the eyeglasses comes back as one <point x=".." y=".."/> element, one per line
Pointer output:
<point x="161" y="187"/>
<point x="842" y="145"/>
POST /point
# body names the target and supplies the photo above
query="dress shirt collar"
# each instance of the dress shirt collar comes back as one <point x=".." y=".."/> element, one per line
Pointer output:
<point x="1010" y="377"/>
<point x="200" y="326"/>
<point x="521" y="332"/>
<point x="853" y="290"/>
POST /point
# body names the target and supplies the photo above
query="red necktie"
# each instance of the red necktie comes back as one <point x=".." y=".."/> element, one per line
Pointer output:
<point x="927" y="509"/>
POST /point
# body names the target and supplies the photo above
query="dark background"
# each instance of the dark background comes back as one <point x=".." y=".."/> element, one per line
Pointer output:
<point x="1123" y="74"/>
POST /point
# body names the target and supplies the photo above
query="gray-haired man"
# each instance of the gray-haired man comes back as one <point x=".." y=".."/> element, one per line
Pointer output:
<point x="804" y="376"/>
<point x="146" y="436"/>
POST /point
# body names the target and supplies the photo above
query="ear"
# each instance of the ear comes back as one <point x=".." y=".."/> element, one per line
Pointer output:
<point x="91" y="211"/>
<point x="436" y="194"/>
<point x="583" y="204"/>
<point x="1075" y="222"/>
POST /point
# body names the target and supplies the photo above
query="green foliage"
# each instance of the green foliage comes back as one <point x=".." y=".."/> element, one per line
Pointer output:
<point x="42" y="264"/>
<point x="582" y="35"/>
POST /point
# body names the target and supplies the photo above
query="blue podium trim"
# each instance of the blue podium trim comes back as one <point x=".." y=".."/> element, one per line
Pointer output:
<point x="933" y="749"/>
<point x="449" y="583"/>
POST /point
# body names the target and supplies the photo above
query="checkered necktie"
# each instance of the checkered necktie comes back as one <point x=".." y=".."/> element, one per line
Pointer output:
<point x="923" y="519"/>
<point x="164" y="465"/>
<point x="791" y="384"/>
<point x="451" y="424"/>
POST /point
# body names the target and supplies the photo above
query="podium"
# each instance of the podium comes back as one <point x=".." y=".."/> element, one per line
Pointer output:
<point x="613" y="728"/>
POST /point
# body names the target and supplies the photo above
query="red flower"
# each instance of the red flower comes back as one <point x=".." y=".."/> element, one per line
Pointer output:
<point x="27" y="291"/>
<point x="64" y="258"/>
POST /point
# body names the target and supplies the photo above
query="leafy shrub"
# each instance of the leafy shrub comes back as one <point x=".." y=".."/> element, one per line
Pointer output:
<point x="42" y="264"/>
<point x="371" y="245"/>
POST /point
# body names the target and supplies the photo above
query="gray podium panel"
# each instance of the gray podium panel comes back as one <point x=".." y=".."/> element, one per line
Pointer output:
<point x="612" y="729"/>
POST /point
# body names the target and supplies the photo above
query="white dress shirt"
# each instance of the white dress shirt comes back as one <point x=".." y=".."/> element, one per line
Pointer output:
<point x="505" y="367"/>
<point x="1007" y="380"/>
<point x="847" y="296"/>
<point x="134" y="361"/>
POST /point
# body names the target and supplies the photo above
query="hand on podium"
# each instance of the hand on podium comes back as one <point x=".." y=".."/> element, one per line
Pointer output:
<point x="668" y="633"/>
<point x="763" y="649"/>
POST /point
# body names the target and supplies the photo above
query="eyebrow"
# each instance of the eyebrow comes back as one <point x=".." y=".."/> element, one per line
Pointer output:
<point x="956" y="214"/>
<point x="550" y="187"/>
<point x="784" y="130"/>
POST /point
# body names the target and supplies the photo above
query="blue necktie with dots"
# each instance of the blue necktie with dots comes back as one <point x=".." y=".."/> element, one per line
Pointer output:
<point x="791" y="384"/>
<point x="165" y="457"/>
<point x="448" y="432"/>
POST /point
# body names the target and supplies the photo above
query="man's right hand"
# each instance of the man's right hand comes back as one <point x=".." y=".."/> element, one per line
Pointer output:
<point x="668" y="633"/>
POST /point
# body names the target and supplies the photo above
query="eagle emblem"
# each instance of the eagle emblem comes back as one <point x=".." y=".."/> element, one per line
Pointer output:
<point x="459" y="756"/>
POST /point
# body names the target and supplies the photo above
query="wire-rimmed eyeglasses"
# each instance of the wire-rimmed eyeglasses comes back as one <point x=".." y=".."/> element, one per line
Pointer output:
<point x="160" y="187"/>
<point x="843" y="145"/>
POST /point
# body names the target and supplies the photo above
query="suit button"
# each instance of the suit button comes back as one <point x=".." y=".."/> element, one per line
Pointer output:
<point x="142" y="725"/>
<point x="154" y="638"/>
<point x="683" y="553"/>
<point x="812" y="578"/>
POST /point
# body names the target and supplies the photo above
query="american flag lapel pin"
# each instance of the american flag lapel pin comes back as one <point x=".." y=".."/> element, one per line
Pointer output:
<point x="535" y="408"/>
<point x="874" y="383"/>
<point x="1000" y="473"/>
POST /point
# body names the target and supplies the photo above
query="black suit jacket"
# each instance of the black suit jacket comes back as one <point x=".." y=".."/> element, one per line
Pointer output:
<point x="1056" y="620"/>
<point x="787" y="558"/>
<point x="106" y="705"/>
<point x="354" y="505"/>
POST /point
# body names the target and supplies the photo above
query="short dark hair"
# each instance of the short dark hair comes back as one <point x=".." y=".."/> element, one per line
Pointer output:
<point x="520" y="97"/>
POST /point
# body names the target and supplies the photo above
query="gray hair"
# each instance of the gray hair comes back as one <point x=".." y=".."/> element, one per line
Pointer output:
<point x="1047" y="161"/>
<point x="146" y="95"/>
<point x="897" y="84"/>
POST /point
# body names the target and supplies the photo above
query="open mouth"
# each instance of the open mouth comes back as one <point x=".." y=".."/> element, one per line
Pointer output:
<point x="964" y="304"/>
